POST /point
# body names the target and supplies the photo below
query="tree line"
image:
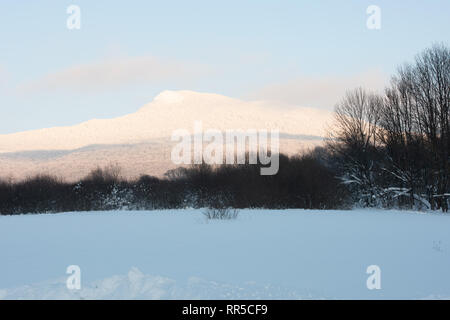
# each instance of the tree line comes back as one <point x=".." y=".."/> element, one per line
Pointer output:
<point x="302" y="182"/>
<point x="394" y="148"/>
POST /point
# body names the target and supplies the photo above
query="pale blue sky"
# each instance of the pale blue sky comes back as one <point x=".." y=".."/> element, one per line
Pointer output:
<point x="128" y="51"/>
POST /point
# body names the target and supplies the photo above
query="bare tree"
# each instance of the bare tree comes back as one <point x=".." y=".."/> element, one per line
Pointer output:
<point x="415" y="127"/>
<point x="354" y="141"/>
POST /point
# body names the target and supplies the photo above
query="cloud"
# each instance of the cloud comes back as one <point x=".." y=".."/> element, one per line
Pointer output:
<point x="319" y="92"/>
<point x="112" y="74"/>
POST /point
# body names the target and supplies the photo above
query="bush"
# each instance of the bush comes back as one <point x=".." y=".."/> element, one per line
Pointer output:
<point x="221" y="213"/>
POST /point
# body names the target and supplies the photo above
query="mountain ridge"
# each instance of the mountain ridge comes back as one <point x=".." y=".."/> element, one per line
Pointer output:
<point x="171" y="110"/>
<point x="140" y="142"/>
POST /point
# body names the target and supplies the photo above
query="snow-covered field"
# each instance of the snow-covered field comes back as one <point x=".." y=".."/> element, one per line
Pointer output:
<point x="267" y="254"/>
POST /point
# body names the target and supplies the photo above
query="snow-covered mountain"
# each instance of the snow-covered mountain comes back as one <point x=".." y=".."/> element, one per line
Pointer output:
<point x="141" y="140"/>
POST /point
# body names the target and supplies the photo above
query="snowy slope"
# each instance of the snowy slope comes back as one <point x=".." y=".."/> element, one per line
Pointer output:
<point x="292" y="254"/>
<point x="140" y="142"/>
<point x="169" y="111"/>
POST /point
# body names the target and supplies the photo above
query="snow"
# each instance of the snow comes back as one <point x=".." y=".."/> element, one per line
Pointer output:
<point x="263" y="254"/>
<point x="169" y="111"/>
<point x="140" y="142"/>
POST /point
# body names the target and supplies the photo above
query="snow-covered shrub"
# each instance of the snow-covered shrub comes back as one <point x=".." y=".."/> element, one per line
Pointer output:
<point x="117" y="199"/>
<point x="221" y="213"/>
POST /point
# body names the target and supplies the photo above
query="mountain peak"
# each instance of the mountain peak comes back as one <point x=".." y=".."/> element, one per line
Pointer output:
<point x="170" y="97"/>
